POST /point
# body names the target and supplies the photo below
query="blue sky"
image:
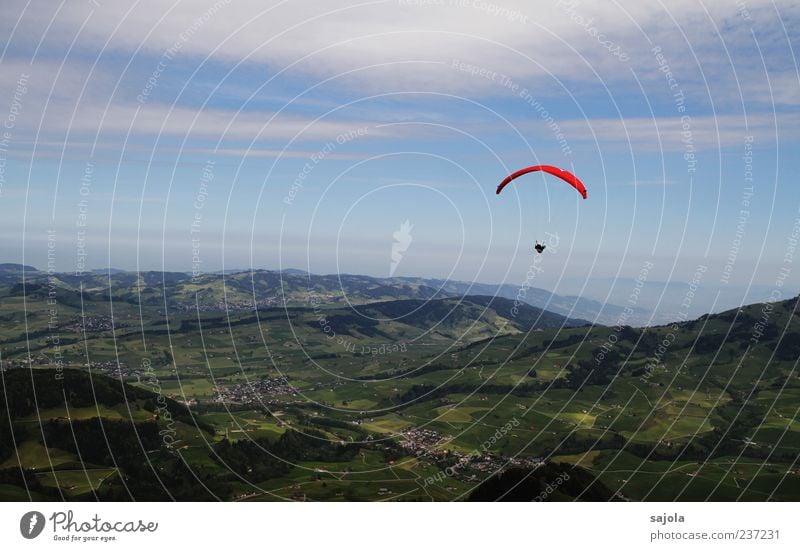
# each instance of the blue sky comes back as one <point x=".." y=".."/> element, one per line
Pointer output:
<point x="397" y="110"/>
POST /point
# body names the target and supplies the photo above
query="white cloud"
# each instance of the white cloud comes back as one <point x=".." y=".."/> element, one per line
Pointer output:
<point x="372" y="47"/>
<point x="557" y="39"/>
<point x="78" y="102"/>
<point x="667" y="133"/>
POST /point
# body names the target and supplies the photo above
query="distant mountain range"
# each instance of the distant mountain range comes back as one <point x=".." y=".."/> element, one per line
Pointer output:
<point x="254" y="405"/>
<point x="293" y="287"/>
<point x="569" y="306"/>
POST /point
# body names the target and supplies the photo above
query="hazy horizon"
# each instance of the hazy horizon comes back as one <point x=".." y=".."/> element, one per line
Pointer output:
<point x="400" y="250"/>
<point x="657" y="297"/>
<point x="176" y="147"/>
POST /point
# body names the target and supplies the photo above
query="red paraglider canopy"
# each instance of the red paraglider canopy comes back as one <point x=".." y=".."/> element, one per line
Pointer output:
<point x="568" y="177"/>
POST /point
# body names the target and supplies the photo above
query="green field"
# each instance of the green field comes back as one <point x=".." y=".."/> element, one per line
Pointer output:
<point x="264" y="404"/>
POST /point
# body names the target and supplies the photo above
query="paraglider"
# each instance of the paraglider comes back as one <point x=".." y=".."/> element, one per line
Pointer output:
<point x="568" y="177"/>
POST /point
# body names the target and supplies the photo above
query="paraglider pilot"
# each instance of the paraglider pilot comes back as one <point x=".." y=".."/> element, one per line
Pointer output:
<point x="539" y="247"/>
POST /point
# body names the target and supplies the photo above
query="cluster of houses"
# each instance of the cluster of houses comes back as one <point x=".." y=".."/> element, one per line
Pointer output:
<point x="249" y="305"/>
<point x="20" y="363"/>
<point x="254" y="392"/>
<point x="30" y="361"/>
<point x="428" y="444"/>
<point x="233" y="306"/>
<point x="90" y="324"/>
<point x="423" y="442"/>
<point x="116" y="369"/>
<point x="491" y="463"/>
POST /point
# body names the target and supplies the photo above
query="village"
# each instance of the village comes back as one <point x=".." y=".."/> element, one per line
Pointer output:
<point x="254" y="392"/>
<point x="231" y="306"/>
<point x="429" y="444"/>
<point x="88" y="324"/>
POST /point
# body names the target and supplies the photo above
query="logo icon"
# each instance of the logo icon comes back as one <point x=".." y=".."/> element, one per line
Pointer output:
<point x="402" y="240"/>
<point x="31" y="524"/>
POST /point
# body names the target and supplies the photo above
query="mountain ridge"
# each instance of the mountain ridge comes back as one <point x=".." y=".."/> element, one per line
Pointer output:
<point x="296" y="287"/>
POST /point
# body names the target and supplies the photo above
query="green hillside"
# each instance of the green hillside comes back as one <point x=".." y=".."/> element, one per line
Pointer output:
<point x="113" y="396"/>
